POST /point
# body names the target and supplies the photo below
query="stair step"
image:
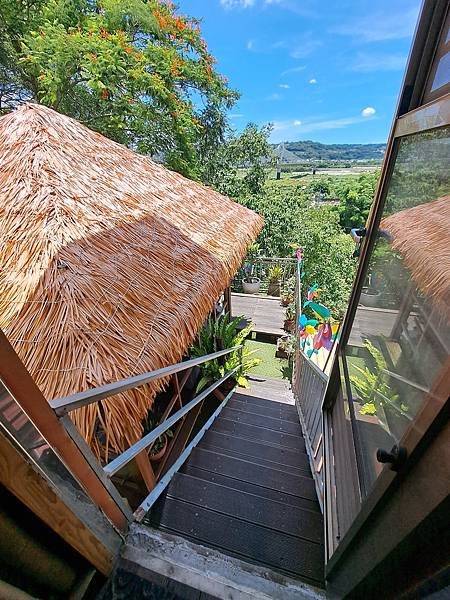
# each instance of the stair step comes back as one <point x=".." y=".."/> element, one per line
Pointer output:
<point x="254" y="509"/>
<point x="244" y="470"/>
<point x="257" y="460"/>
<point x="268" y="411"/>
<point x="261" y="434"/>
<point x="262" y="421"/>
<point x="285" y="552"/>
<point x="251" y="488"/>
<point x="257" y="448"/>
<point x="264" y="403"/>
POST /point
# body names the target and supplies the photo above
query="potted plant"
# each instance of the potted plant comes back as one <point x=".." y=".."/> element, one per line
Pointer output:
<point x="218" y="335"/>
<point x="159" y="448"/>
<point x="375" y="393"/>
<point x="285" y="346"/>
<point x="275" y="275"/>
<point x="287" y="294"/>
<point x="250" y="283"/>
<point x="289" y="321"/>
<point x="370" y="294"/>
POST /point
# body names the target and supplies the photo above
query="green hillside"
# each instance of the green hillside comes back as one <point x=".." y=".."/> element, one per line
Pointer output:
<point x="315" y="151"/>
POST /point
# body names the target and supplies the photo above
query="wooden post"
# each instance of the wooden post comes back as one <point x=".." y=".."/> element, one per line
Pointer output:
<point x="146" y="470"/>
<point x="24" y="390"/>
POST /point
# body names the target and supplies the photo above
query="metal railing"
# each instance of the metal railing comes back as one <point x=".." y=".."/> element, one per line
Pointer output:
<point x="261" y="269"/>
<point x="309" y="384"/>
<point x="139" y="450"/>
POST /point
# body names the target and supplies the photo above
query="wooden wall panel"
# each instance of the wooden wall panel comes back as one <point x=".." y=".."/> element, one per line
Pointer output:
<point x="30" y="487"/>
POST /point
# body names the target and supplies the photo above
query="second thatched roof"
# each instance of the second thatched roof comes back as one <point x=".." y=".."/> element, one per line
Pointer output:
<point x="109" y="264"/>
<point x="421" y="235"/>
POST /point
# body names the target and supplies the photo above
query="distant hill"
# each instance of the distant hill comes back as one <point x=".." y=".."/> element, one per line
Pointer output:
<point x="307" y="151"/>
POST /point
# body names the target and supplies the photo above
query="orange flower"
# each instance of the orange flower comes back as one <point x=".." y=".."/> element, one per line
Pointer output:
<point x="104" y="94"/>
<point x="92" y="56"/>
<point x="104" y="33"/>
<point x="179" y="24"/>
<point x="128" y="49"/>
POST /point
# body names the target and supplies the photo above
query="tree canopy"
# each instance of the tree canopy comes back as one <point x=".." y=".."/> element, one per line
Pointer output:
<point x="135" y="70"/>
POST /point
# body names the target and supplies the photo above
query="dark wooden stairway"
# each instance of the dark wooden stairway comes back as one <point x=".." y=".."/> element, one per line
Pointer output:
<point x="247" y="489"/>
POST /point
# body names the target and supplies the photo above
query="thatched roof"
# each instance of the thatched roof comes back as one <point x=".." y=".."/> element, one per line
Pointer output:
<point x="109" y="263"/>
<point x="421" y="235"/>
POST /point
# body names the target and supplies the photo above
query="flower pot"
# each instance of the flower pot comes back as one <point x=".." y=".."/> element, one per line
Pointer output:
<point x="251" y="287"/>
<point x="286" y="300"/>
<point x="280" y="353"/>
<point x="289" y="325"/>
<point x="274" y="288"/>
<point x="370" y="298"/>
<point x="158" y="456"/>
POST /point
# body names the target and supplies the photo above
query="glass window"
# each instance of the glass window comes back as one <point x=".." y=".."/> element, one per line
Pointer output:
<point x="439" y="78"/>
<point x="400" y="339"/>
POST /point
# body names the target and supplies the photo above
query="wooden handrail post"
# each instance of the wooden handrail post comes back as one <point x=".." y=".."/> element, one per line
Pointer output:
<point x="146" y="470"/>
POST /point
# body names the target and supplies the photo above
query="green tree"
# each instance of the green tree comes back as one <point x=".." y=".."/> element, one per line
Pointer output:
<point x="135" y="70"/>
<point x="356" y="195"/>
<point x="236" y="165"/>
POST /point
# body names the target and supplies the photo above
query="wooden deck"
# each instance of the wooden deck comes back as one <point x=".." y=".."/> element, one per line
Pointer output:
<point x="265" y="312"/>
<point x="247" y="489"/>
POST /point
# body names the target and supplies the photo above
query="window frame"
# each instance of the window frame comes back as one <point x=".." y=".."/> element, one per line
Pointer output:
<point x="411" y="117"/>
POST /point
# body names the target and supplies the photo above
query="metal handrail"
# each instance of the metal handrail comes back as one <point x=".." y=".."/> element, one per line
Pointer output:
<point x="62" y="406"/>
<point x="118" y="463"/>
<point x="317" y="370"/>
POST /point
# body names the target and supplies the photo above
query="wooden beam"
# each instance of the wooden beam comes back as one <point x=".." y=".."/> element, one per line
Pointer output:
<point x="36" y="492"/>
<point x="179" y="441"/>
<point x="146" y="470"/>
<point x="24" y="390"/>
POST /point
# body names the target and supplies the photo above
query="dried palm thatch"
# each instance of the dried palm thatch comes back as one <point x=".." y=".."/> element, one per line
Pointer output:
<point x="421" y="235"/>
<point x="109" y="262"/>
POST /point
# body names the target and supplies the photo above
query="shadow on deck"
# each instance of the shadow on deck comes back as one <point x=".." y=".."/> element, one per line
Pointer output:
<point x="246" y="499"/>
<point x="265" y="312"/>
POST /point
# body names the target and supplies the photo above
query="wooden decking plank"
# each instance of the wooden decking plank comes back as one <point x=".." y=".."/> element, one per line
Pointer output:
<point x="254" y="448"/>
<point x="276" y="549"/>
<point x="243" y="470"/>
<point x="255" y="403"/>
<point x="257" y="460"/>
<point x="262" y="421"/>
<point x="255" y="409"/>
<point x="248" y="507"/>
<point x="251" y="488"/>
<point x="260" y="434"/>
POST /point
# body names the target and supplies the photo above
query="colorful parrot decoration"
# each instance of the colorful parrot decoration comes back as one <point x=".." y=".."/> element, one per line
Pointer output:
<point x="323" y="328"/>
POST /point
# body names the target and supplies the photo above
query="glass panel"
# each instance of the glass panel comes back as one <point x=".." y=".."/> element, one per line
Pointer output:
<point x="400" y="337"/>
<point x="442" y="75"/>
<point x="439" y="77"/>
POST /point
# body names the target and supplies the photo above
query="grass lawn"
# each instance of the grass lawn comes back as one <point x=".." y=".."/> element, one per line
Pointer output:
<point x="270" y="366"/>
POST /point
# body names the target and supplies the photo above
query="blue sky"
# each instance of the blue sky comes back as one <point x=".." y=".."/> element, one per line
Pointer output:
<point x="326" y="70"/>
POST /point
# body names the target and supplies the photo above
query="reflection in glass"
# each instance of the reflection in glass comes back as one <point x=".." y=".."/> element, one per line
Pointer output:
<point x="400" y="338"/>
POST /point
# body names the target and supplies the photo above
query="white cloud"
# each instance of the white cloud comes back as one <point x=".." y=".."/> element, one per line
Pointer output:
<point x="275" y="96"/>
<point x="313" y="81"/>
<point x="368" y="63"/>
<point x="293" y="70"/>
<point x="393" y="23"/>
<point x="284" y="86"/>
<point x="369" y="111"/>
<point x="236" y="116"/>
<point x="283" y="130"/>
<point x="306" y="45"/>
<point x="250" y="44"/>
<point x="237" y="3"/>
